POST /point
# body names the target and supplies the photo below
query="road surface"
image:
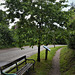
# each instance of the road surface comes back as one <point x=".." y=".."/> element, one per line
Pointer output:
<point x="8" y="55"/>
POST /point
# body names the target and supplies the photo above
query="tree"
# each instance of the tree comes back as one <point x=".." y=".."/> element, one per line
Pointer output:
<point x="35" y="17"/>
<point x="72" y="6"/>
<point x="71" y="38"/>
<point x="3" y="16"/>
<point x="5" y="34"/>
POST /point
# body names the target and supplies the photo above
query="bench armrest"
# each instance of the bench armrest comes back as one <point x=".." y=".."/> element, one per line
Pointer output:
<point x="31" y="60"/>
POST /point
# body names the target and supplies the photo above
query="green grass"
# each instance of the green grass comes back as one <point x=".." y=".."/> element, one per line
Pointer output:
<point x="43" y="67"/>
<point x="67" y="61"/>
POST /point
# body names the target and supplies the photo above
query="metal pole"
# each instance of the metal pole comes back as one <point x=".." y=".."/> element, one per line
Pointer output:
<point x="46" y="54"/>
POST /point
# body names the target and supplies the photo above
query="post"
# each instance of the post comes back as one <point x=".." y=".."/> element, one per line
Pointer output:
<point x="47" y="49"/>
<point x="46" y="54"/>
<point x="25" y="60"/>
<point x="1" y="70"/>
<point x="16" y="66"/>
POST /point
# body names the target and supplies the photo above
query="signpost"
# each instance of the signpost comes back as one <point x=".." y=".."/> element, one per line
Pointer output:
<point x="47" y="49"/>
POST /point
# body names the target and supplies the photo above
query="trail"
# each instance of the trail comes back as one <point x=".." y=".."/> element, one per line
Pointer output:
<point x="55" y="64"/>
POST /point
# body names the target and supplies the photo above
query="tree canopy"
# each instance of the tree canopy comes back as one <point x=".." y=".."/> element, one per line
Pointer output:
<point x="37" y="19"/>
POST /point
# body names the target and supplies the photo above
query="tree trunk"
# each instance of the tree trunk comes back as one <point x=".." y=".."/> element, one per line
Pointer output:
<point x="54" y="45"/>
<point x="39" y="33"/>
<point x="38" y="57"/>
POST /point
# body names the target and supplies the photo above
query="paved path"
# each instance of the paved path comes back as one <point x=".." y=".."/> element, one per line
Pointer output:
<point x="55" y="64"/>
<point x="8" y="55"/>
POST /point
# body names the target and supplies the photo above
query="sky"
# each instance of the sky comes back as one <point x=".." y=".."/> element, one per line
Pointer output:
<point x="69" y="2"/>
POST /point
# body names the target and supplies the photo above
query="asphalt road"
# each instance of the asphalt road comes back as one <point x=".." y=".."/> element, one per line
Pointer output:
<point x="8" y="55"/>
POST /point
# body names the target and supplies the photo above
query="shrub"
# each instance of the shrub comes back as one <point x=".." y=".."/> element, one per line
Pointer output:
<point x="71" y="41"/>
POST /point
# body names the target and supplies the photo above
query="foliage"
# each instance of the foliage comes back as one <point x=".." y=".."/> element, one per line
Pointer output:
<point x="72" y="6"/>
<point x="67" y="61"/>
<point x="71" y="32"/>
<point x="5" y="34"/>
<point x="71" y="42"/>
<point x="42" y="22"/>
<point x="60" y="36"/>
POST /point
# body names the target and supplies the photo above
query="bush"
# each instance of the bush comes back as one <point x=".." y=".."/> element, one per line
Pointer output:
<point x="71" y="41"/>
<point x="5" y="37"/>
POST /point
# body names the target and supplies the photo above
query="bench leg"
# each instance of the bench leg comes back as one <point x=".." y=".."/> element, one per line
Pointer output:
<point x="33" y="66"/>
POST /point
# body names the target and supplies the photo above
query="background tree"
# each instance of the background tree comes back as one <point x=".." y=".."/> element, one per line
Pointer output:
<point x="5" y="34"/>
<point x="72" y="6"/>
<point x="71" y="38"/>
<point x="71" y="28"/>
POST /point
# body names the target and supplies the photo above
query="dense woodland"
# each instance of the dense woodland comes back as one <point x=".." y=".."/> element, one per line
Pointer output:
<point x="38" y="24"/>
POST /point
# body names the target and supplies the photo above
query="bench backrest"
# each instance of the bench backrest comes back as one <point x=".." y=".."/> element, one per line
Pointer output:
<point x="15" y="62"/>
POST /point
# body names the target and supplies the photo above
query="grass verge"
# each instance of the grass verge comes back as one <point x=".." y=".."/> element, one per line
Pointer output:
<point x="67" y="61"/>
<point x="43" y="67"/>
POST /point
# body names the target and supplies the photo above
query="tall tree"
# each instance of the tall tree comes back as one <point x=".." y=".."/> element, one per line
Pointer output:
<point x="35" y="17"/>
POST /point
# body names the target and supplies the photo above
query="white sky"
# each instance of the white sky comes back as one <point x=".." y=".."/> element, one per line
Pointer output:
<point x="1" y="7"/>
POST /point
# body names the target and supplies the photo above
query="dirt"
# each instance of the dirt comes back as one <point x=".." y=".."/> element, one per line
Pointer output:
<point x="55" y="70"/>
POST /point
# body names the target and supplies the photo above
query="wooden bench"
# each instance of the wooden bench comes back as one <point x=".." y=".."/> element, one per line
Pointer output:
<point x="27" y="63"/>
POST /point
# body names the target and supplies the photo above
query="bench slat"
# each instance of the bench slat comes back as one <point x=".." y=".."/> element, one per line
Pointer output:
<point x="13" y="62"/>
<point x="24" y="69"/>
